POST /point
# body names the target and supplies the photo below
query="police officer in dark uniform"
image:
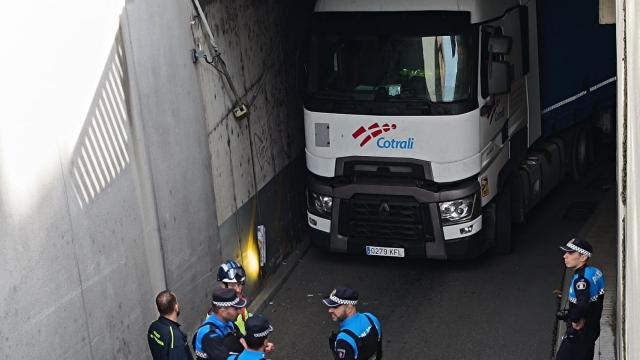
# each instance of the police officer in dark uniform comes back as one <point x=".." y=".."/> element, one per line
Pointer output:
<point x="218" y="336"/>
<point x="360" y="335"/>
<point x="166" y="339"/>
<point x="256" y="339"/>
<point x="586" y="294"/>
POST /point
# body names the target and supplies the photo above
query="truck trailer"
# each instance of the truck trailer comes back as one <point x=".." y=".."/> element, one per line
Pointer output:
<point x="431" y="125"/>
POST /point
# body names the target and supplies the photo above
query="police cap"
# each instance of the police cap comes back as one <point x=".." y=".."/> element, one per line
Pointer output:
<point x="258" y="326"/>
<point x="225" y="297"/>
<point x="578" y="245"/>
<point x="341" y="295"/>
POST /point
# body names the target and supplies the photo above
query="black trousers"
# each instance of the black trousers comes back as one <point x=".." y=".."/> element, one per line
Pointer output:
<point x="577" y="347"/>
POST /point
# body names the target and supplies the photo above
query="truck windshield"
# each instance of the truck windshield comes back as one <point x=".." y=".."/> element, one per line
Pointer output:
<point x="423" y="70"/>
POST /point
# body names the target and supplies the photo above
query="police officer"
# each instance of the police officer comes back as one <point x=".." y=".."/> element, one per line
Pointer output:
<point x="586" y="294"/>
<point x="256" y="340"/>
<point x="166" y="339"/>
<point x="360" y="335"/>
<point x="231" y="275"/>
<point x="218" y="336"/>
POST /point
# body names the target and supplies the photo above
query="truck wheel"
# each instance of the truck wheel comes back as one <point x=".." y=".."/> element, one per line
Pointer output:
<point x="580" y="154"/>
<point x="591" y="152"/>
<point x="503" y="244"/>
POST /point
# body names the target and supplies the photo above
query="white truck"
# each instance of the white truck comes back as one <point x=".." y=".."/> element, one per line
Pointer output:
<point x="424" y="128"/>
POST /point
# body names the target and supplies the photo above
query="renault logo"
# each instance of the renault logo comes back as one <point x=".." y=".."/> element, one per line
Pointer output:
<point x="384" y="210"/>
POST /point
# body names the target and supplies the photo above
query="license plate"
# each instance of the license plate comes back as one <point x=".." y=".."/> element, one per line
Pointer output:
<point x="385" y="251"/>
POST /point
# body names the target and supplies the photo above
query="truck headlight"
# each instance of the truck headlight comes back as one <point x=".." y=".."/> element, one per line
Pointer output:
<point x="456" y="211"/>
<point x="320" y="204"/>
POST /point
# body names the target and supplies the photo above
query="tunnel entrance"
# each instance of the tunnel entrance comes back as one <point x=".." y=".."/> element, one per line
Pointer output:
<point x="375" y="74"/>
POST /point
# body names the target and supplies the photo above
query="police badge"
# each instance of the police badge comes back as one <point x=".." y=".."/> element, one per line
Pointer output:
<point x="581" y="285"/>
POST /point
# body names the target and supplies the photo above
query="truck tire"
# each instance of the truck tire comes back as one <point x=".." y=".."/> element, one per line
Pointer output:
<point x="580" y="154"/>
<point x="591" y="135"/>
<point x="503" y="241"/>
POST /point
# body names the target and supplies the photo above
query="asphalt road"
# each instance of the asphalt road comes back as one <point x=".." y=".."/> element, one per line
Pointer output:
<point x="493" y="307"/>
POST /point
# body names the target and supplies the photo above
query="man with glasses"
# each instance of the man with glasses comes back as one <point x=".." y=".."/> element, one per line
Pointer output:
<point x="586" y="294"/>
<point x="360" y="335"/>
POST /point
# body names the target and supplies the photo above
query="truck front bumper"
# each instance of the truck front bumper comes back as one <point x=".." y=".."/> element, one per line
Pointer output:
<point x="461" y="248"/>
<point x="430" y="240"/>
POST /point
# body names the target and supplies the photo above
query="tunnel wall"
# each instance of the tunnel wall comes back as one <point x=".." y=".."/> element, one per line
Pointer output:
<point x="176" y="191"/>
<point x="77" y="277"/>
<point x="628" y="47"/>
<point x="258" y="162"/>
<point x="111" y="165"/>
<point x="105" y="180"/>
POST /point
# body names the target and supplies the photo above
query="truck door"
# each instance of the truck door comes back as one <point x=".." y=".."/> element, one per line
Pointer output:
<point x="501" y="44"/>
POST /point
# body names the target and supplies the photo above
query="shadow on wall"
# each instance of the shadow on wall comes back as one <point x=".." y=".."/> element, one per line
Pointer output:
<point x="101" y="152"/>
<point x="115" y="264"/>
<point x="107" y="226"/>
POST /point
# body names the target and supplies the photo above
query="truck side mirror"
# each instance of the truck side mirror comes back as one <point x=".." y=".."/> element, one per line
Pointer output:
<point x="500" y="44"/>
<point x="499" y="77"/>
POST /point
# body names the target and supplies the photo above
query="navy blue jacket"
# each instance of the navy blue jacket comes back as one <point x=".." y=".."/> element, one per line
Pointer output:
<point x="586" y="295"/>
<point x="167" y="341"/>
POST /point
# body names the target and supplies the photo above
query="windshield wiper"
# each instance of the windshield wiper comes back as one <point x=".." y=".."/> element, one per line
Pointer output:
<point x="421" y="105"/>
<point x="332" y="96"/>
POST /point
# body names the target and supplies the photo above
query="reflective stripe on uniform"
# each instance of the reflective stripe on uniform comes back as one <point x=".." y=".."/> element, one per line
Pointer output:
<point x="201" y="354"/>
<point x="156" y="339"/>
<point x="171" y="331"/>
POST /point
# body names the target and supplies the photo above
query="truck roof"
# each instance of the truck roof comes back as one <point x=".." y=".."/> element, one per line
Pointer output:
<point x="480" y="10"/>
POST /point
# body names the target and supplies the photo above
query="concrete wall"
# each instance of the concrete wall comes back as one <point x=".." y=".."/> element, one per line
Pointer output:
<point x="258" y="166"/>
<point x="112" y="154"/>
<point x="172" y="144"/>
<point x="628" y="325"/>
<point x="73" y="269"/>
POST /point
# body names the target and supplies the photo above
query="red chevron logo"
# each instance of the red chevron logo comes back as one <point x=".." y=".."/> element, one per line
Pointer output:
<point x="372" y="132"/>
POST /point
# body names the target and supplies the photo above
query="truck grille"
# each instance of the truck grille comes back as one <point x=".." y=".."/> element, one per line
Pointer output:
<point x="373" y="217"/>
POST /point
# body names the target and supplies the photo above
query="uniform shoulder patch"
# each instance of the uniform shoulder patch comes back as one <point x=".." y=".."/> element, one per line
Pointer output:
<point x="581" y="285"/>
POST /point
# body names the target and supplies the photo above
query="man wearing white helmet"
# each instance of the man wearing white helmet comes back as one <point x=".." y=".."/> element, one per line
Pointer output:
<point x="231" y="275"/>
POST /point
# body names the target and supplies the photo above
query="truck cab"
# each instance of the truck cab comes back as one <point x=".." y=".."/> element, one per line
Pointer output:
<point x="415" y="115"/>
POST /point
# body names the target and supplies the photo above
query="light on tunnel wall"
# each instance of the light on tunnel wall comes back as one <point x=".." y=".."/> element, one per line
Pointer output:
<point x="251" y="258"/>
